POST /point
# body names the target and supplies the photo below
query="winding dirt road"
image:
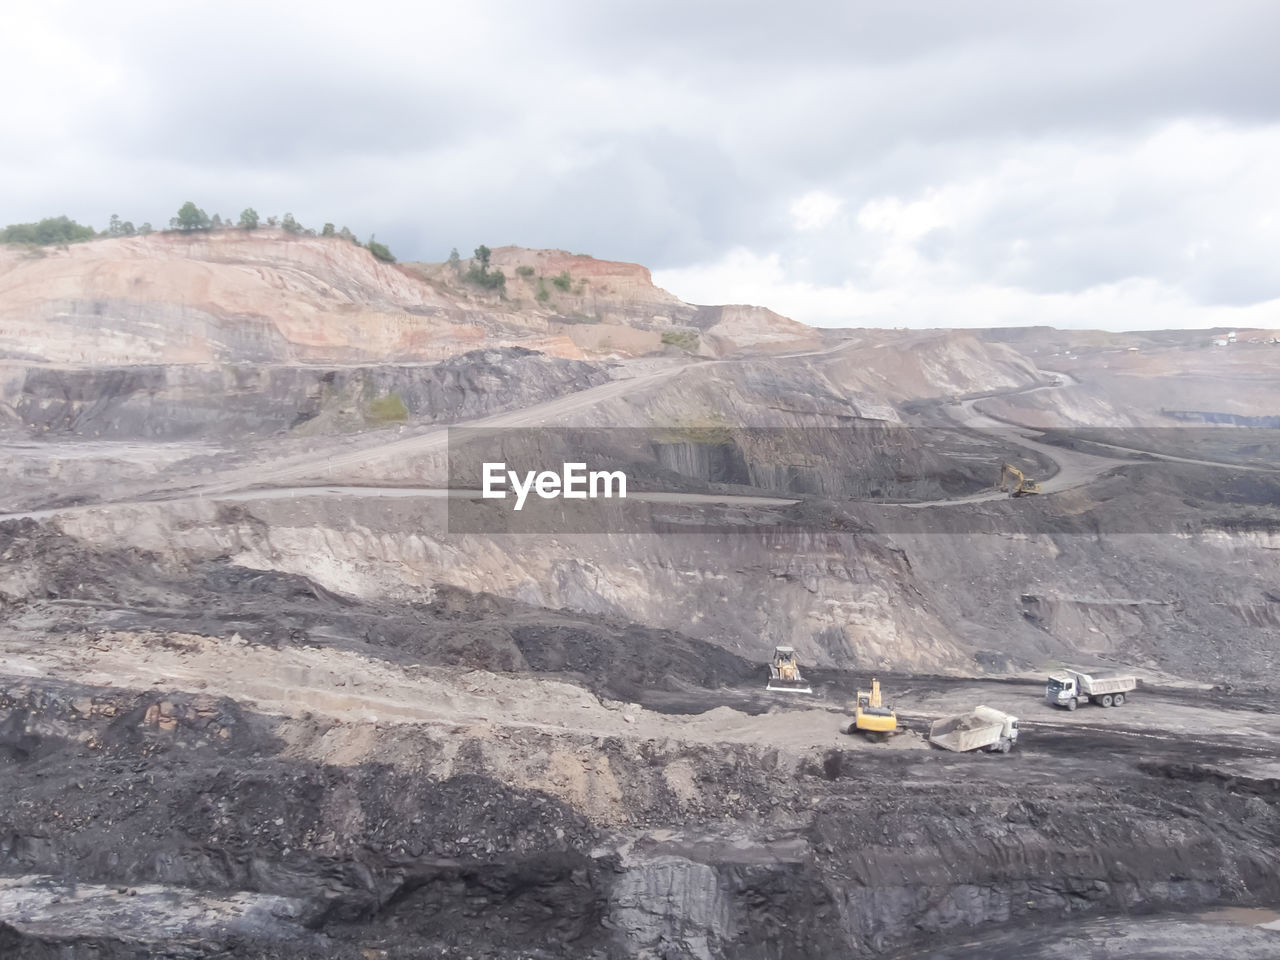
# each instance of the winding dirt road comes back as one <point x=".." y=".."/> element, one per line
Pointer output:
<point x="435" y="439"/>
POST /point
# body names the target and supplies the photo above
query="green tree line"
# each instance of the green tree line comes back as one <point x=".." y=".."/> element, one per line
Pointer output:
<point x="479" y="272"/>
<point x="189" y="219"/>
<point x="47" y="231"/>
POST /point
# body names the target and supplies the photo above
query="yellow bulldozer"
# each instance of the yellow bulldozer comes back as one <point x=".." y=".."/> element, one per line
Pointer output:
<point x="1013" y="480"/>
<point x="784" y="672"/>
<point x="871" y="716"/>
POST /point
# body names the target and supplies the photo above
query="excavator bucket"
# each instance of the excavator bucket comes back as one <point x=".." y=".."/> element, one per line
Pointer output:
<point x="784" y="673"/>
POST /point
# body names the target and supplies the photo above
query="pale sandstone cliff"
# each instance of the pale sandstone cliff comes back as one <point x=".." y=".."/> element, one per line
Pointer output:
<point x="233" y="296"/>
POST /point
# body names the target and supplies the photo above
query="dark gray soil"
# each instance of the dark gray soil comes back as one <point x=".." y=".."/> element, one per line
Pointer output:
<point x="242" y="400"/>
<point x="848" y="853"/>
<point x="881" y="849"/>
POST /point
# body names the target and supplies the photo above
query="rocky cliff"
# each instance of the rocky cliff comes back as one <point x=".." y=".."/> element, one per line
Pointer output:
<point x="265" y="296"/>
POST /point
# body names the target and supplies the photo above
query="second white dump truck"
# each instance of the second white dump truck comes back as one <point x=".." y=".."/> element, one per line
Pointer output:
<point x="1070" y="688"/>
<point x="981" y="729"/>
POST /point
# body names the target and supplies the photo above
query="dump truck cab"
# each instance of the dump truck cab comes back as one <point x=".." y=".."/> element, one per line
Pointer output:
<point x="1070" y="688"/>
<point x="1009" y="731"/>
<point x="1061" y="688"/>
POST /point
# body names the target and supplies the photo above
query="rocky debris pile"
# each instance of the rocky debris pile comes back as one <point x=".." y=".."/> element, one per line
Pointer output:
<point x="51" y="580"/>
<point x="1043" y="849"/>
<point x="119" y="798"/>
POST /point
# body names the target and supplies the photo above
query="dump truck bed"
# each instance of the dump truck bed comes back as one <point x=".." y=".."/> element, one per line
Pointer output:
<point x="967" y="731"/>
<point x="1094" y="684"/>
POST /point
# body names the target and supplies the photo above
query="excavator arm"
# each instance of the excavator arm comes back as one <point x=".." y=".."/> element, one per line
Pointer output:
<point x="1008" y="472"/>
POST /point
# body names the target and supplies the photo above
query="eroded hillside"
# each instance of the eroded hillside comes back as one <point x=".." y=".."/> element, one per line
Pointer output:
<point x="276" y="681"/>
<point x="265" y="296"/>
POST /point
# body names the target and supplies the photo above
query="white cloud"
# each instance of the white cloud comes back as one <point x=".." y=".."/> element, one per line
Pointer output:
<point x="814" y="210"/>
<point x="1137" y="149"/>
<point x="1174" y="228"/>
<point x="744" y="277"/>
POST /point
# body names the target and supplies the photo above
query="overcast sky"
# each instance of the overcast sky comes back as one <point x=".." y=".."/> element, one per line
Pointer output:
<point x="868" y="164"/>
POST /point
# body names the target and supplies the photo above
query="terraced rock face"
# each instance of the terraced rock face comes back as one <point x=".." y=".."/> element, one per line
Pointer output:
<point x="273" y="684"/>
<point x="230" y="402"/>
<point x="1120" y="564"/>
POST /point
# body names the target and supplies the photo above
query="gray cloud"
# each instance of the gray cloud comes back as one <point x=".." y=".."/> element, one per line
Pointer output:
<point x="674" y="134"/>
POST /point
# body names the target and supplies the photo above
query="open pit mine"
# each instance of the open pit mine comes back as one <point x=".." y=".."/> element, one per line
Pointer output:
<point x="278" y="681"/>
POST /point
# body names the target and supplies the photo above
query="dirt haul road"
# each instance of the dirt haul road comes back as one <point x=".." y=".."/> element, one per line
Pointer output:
<point x="1074" y="468"/>
<point x="350" y="687"/>
<point x="434" y="440"/>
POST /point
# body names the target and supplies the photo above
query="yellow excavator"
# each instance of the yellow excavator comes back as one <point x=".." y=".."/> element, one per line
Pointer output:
<point x="871" y="716"/>
<point x="1017" y="484"/>
<point x="784" y="672"/>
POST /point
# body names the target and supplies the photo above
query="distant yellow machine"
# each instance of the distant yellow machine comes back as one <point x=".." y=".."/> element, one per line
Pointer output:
<point x="871" y="716"/>
<point x="1022" y="487"/>
<point x="784" y="672"/>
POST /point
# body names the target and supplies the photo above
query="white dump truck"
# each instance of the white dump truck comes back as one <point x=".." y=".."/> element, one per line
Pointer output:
<point x="1070" y="688"/>
<point x="981" y="729"/>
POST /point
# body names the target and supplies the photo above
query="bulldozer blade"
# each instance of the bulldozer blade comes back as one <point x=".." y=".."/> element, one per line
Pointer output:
<point x="789" y="686"/>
